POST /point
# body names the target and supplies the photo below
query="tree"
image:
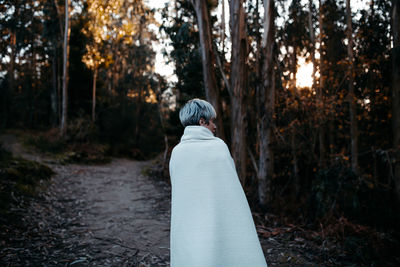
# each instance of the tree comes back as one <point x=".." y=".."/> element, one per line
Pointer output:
<point x="238" y="85"/>
<point x="351" y="96"/>
<point x="92" y="58"/>
<point x="312" y="41"/>
<point x="395" y="16"/>
<point x="65" y="70"/>
<point x="266" y="104"/>
<point x="208" y="59"/>
<point x="320" y="98"/>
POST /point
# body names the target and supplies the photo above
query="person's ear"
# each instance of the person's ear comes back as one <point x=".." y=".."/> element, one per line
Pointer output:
<point x="202" y="121"/>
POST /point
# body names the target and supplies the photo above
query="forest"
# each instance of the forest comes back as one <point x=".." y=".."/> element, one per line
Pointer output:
<point x="307" y="96"/>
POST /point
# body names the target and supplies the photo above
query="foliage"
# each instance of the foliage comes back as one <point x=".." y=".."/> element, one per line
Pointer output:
<point x="19" y="178"/>
<point x="117" y="123"/>
<point x="47" y="142"/>
<point x="178" y="26"/>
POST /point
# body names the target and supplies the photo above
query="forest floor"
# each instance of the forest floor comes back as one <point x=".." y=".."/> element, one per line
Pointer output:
<point x="115" y="215"/>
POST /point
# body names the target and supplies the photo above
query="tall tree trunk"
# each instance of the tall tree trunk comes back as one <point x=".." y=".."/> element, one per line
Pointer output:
<point x="395" y="16"/>
<point x="57" y="61"/>
<point x="320" y="91"/>
<point x="238" y="83"/>
<point x="223" y="27"/>
<point x="266" y="105"/>
<point x="352" y="97"/>
<point x="94" y="93"/>
<point x="65" y="70"/>
<point x="208" y="60"/>
<point x="295" y="161"/>
<point x="159" y="97"/>
<point x="312" y="41"/>
<point x="54" y="90"/>
<point x="11" y="68"/>
<point x="139" y="99"/>
<point x="294" y="68"/>
<point x="137" y="116"/>
<point x="11" y="79"/>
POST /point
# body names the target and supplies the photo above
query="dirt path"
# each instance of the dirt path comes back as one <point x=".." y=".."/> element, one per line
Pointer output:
<point x="105" y="215"/>
<point x="118" y="211"/>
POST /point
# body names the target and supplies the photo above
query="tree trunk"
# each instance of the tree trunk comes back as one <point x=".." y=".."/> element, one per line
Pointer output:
<point x="94" y="94"/>
<point x="160" y="113"/>
<point x="223" y="27"/>
<point x="65" y="70"/>
<point x="208" y="60"/>
<point x="11" y="79"/>
<point x="137" y="117"/>
<point x="238" y="83"/>
<point x="352" y="97"/>
<point x="295" y="161"/>
<point x="396" y="89"/>
<point x="266" y="106"/>
<point x="312" y="41"/>
<point x="320" y="100"/>
<point x="294" y="68"/>
<point x="54" y="91"/>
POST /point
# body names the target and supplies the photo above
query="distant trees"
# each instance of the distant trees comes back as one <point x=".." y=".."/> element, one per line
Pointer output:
<point x="289" y="142"/>
<point x="293" y="135"/>
<point x="67" y="64"/>
<point x="25" y="42"/>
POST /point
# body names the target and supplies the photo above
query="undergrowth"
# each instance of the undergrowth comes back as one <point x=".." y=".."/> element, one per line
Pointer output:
<point x="19" y="179"/>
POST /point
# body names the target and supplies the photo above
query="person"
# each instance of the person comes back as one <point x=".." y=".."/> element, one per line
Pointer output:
<point x="211" y="221"/>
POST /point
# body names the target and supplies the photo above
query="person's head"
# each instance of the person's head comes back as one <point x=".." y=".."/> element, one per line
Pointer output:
<point x="198" y="112"/>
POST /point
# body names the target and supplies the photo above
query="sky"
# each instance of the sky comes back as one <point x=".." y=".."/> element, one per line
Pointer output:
<point x="160" y="66"/>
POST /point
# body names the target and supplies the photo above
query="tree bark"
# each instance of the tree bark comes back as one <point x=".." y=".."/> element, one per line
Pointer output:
<point x="11" y="78"/>
<point x="320" y="100"/>
<point x="294" y="68"/>
<point x="295" y="161"/>
<point x="65" y="70"/>
<point x="266" y="106"/>
<point x="312" y="41"/>
<point x="223" y="27"/>
<point x="208" y="60"/>
<point x="54" y="90"/>
<point x="94" y="93"/>
<point x="395" y="20"/>
<point x="352" y="97"/>
<point x="238" y="83"/>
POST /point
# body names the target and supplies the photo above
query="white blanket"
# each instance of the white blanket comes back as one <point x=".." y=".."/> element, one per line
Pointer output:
<point x="211" y="222"/>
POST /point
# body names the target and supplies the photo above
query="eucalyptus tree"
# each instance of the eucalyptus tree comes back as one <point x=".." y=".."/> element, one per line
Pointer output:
<point x="24" y="61"/>
<point x="238" y="77"/>
<point x="351" y="96"/>
<point x="208" y="57"/>
<point x="120" y="41"/>
<point x="373" y="86"/>
<point x="266" y="104"/>
<point x="67" y="27"/>
<point x="395" y="20"/>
